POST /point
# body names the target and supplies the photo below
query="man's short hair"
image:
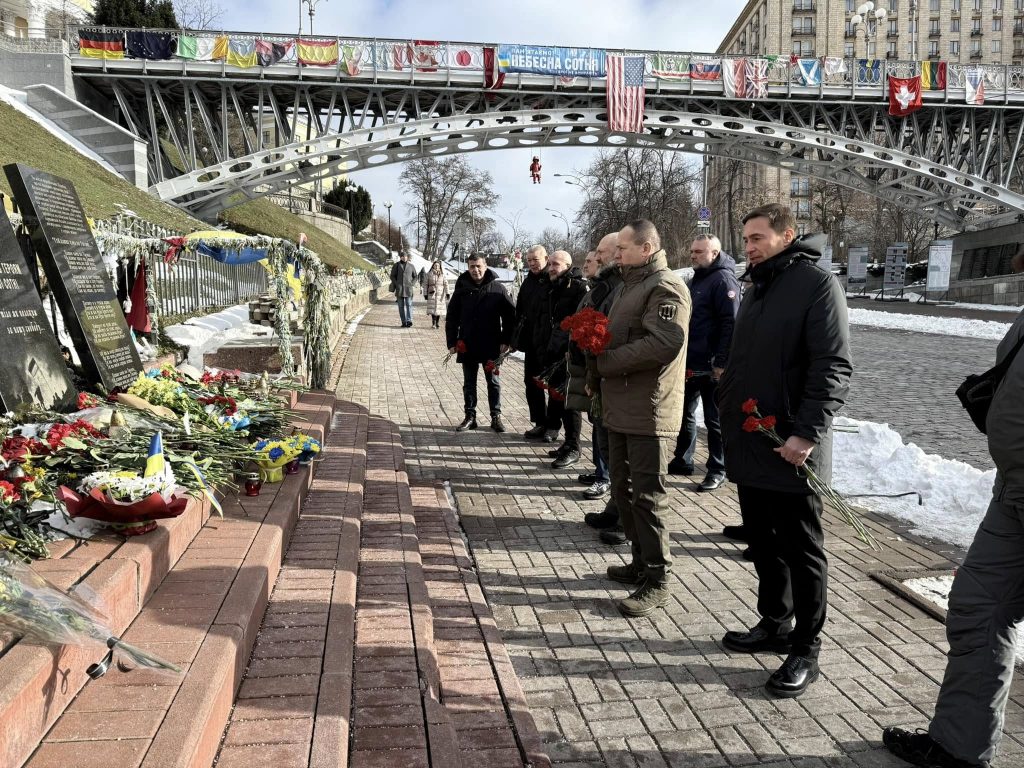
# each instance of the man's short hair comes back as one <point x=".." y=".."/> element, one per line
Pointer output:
<point x="537" y="249"/>
<point x="476" y="257"/>
<point x="780" y="217"/>
<point x="644" y="231"/>
<point x="713" y="242"/>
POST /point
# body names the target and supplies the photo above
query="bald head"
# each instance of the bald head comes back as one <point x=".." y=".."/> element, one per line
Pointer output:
<point x="558" y="264"/>
<point x="608" y="248"/>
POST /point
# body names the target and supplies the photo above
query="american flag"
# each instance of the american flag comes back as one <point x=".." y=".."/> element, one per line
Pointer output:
<point x="625" y="91"/>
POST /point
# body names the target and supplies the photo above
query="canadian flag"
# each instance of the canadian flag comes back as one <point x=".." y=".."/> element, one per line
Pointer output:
<point x="904" y="95"/>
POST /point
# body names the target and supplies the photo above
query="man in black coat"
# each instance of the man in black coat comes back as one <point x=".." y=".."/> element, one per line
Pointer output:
<point x="480" y="315"/>
<point x="565" y="292"/>
<point x="715" y="293"/>
<point x="790" y="359"/>
<point x="528" y="302"/>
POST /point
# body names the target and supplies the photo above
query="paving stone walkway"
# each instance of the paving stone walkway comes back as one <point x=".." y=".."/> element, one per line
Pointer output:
<point x="661" y="691"/>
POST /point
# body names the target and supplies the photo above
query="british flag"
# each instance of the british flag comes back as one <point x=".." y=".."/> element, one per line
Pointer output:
<point x="625" y="91"/>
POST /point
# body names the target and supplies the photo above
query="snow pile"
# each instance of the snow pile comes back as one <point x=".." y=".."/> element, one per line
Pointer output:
<point x="354" y="324"/>
<point x="967" y="305"/>
<point x="943" y="326"/>
<point x="210" y="333"/>
<point x="874" y="459"/>
<point x="17" y="99"/>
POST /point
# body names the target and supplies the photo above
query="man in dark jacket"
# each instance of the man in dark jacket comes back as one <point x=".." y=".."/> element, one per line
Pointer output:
<point x="986" y="601"/>
<point x="642" y="372"/>
<point x="403" y="285"/>
<point x="480" y="315"/>
<point x="715" y="293"/>
<point x="566" y="290"/>
<point x="528" y="303"/>
<point x="791" y="356"/>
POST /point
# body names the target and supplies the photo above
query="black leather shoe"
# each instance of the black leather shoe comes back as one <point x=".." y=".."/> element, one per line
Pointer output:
<point x="550" y="435"/>
<point x="712" y="482"/>
<point x="587" y="479"/>
<point x="757" y="640"/>
<point x="793" y="677"/>
<point x="567" y="459"/>
<point x="536" y="433"/>
<point x="554" y="453"/>
<point x="600" y="520"/>
<point x="919" y="748"/>
<point x="735" y="532"/>
<point x="614" y="536"/>
<point x="467" y="423"/>
<point x="678" y="467"/>
<point x="496" y="423"/>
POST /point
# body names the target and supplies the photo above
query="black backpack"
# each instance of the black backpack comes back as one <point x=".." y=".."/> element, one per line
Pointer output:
<point x="977" y="391"/>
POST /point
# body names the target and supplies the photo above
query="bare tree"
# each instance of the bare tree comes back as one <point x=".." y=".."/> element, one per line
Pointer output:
<point x="517" y="237"/>
<point x="735" y="187"/>
<point x="197" y="14"/>
<point x="447" y="190"/>
<point x="627" y="184"/>
<point x="379" y="228"/>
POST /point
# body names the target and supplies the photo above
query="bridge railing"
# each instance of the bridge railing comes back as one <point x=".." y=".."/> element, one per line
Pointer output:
<point x="351" y="57"/>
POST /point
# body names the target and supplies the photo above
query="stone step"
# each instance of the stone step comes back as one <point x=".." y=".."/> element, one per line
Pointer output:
<point x="204" y="616"/>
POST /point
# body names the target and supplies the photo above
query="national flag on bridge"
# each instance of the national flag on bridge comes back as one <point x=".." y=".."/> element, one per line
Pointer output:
<point x="494" y="78"/>
<point x="99" y="44"/>
<point x="933" y="75"/>
<point x="974" y="83"/>
<point x="709" y="69"/>
<point x="904" y="95"/>
<point x="157" y="46"/>
<point x="318" y="53"/>
<point x="624" y="87"/>
<point x="671" y="66"/>
<point x="810" y="71"/>
<point x="270" y="52"/>
<point x="745" y="78"/>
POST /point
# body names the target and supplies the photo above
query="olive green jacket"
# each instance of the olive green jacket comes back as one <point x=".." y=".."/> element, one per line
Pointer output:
<point x="644" y="367"/>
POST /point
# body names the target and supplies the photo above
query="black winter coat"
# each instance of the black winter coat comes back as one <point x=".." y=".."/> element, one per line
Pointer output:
<point x="791" y="353"/>
<point x="563" y="299"/>
<point x="604" y="287"/>
<point x="480" y="315"/>
<point x="715" y="292"/>
<point x="532" y="293"/>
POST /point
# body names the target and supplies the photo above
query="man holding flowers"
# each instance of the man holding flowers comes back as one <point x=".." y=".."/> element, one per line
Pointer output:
<point x="789" y="369"/>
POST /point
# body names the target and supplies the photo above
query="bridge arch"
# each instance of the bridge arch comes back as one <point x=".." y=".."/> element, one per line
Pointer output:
<point x="941" y="193"/>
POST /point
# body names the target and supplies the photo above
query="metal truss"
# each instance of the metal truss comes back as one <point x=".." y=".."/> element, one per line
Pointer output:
<point x="217" y="141"/>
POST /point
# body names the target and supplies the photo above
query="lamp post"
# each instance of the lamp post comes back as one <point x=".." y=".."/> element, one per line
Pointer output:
<point x="571" y="178"/>
<point x="388" y="204"/>
<point x="862" y="19"/>
<point x="351" y="188"/>
<point x="312" y="11"/>
<point x="560" y="215"/>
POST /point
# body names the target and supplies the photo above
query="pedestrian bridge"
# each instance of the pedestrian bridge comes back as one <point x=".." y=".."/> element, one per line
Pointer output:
<point x="227" y="129"/>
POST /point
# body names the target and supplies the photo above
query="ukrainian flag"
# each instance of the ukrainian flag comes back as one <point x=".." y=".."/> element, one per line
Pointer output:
<point x="155" y="463"/>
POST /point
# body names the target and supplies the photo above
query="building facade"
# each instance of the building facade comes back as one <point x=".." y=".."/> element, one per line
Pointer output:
<point x="955" y="31"/>
<point x="41" y="18"/>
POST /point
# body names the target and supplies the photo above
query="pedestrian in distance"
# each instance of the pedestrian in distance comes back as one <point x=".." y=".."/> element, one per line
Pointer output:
<point x="791" y="354"/>
<point x="641" y="380"/>
<point x="403" y="285"/>
<point x="480" y="316"/>
<point x="715" y="293"/>
<point x="437" y="293"/>
<point x="986" y="602"/>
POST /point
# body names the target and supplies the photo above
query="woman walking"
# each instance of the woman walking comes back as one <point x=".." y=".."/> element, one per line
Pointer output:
<point x="436" y="293"/>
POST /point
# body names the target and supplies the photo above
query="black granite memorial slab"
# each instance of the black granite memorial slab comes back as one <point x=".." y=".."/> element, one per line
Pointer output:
<point x="32" y="371"/>
<point x="76" y="274"/>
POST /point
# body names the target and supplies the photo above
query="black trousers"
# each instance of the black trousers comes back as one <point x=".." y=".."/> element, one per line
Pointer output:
<point x="701" y="388"/>
<point x="469" y="375"/>
<point x="788" y="547"/>
<point x="534" y="394"/>
<point x="561" y="417"/>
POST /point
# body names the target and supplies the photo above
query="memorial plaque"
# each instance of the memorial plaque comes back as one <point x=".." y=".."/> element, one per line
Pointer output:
<point x="76" y="274"/>
<point x="895" y="276"/>
<point x="940" y="256"/>
<point x="33" y="370"/>
<point x="857" y="265"/>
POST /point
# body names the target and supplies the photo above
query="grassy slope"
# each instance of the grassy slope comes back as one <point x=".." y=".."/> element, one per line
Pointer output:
<point x="23" y="141"/>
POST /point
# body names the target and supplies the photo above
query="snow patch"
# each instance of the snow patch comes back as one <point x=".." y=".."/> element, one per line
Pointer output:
<point x="210" y="333"/>
<point x="943" y="326"/>
<point x="354" y="324"/>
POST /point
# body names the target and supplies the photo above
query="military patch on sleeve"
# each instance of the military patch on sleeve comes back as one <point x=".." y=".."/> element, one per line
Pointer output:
<point x="731" y="294"/>
<point x="667" y="312"/>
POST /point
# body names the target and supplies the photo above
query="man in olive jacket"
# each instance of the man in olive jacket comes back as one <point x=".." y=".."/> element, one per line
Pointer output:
<point x="642" y="375"/>
<point x="791" y="354"/>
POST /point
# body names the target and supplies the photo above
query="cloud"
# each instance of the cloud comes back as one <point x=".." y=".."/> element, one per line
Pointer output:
<point x="671" y="25"/>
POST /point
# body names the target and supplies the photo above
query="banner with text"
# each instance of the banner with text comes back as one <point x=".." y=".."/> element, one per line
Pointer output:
<point x="940" y="256"/>
<point x="895" y="267"/>
<point x="857" y="265"/>
<point x="545" y="60"/>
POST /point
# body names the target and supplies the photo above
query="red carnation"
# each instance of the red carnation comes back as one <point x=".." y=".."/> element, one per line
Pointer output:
<point x="768" y="422"/>
<point x="752" y="424"/>
<point x="460" y="347"/>
<point x="7" y="492"/>
<point x="749" y="407"/>
<point x="491" y="368"/>
<point x="689" y="373"/>
<point x="557" y="396"/>
<point x="87" y="400"/>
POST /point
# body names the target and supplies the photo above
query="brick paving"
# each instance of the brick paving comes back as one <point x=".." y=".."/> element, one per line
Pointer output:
<point x="661" y="691"/>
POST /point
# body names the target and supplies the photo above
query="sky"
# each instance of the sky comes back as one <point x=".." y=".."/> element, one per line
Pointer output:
<point x="676" y="25"/>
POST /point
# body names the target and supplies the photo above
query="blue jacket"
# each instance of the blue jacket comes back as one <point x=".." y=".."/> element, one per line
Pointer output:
<point x="715" y="292"/>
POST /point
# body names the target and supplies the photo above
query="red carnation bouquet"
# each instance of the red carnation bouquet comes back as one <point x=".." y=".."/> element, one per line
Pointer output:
<point x="460" y="348"/>
<point x="588" y="330"/>
<point x="493" y="367"/>
<point x="554" y="379"/>
<point x="755" y="422"/>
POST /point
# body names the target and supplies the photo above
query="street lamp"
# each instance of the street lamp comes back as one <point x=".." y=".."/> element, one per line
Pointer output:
<point x="560" y="215"/>
<point x="351" y="188"/>
<point x="312" y="11"/>
<point x="570" y="178"/>
<point x="388" y="204"/>
<point x="861" y="20"/>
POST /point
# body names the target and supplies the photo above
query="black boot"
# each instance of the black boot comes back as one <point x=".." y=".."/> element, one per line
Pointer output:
<point x="496" y="423"/>
<point x="467" y="423"/>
